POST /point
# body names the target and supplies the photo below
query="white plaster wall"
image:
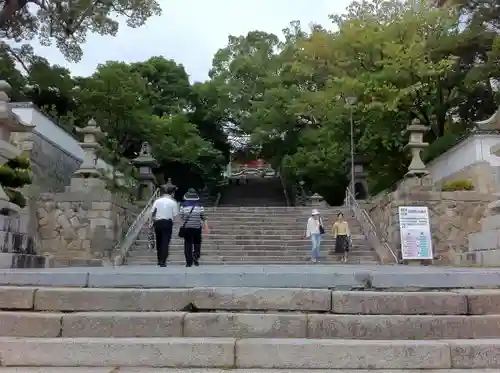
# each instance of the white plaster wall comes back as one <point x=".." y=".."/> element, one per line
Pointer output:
<point x="51" y="131"/>
<point x="474" y="149"/>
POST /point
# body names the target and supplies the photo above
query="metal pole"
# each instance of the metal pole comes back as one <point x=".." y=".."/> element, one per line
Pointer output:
<point x="352" y="156"/>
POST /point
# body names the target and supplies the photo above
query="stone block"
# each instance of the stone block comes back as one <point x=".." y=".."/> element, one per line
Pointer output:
<point x="105" y="352"/>
<point x="341" y="354"/>
<point x="464" y="279"/>
<point x="30" y="324"/>
<point x="475" y="354"/>
<point x="16" y="298"/>
<point x="485" y="240"/>
<point x="261" y="299"/>
<point x="102" y="206"/>
<point x="44" y="278"/>
<point x="272" y="278"/>
<point x="398" y="303"/>
<point x="422" y="327"/>
<point x="482" y="302"/>
<point x="67" y="370"/>
<point x="245" y="325"/>
<point x="488" y="258"/>
<point x="111" y="299"/>
<point x="490" y="223"/>
<point x="122" y="324"/>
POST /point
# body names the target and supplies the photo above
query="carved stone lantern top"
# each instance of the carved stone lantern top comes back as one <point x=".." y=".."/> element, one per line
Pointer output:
<point x="492" y="123"/>
<point x="415" y="145"/>
<point x="168" y="185"/>
<point x="316" y="197"/>
<point x="145" y="158"/>
<point x="9" y="121"/>
<point x="91" y="134"/>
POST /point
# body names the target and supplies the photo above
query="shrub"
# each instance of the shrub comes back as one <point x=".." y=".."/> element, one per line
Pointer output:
<point x="454" y="185"/>
<point x="15" y="174"/>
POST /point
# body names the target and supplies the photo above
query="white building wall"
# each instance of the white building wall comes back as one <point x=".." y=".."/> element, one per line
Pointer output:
<point x="52" y="132"/>
<point x="475" y="149"/>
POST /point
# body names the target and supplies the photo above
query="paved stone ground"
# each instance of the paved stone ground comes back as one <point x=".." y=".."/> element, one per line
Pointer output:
<point x="273" y="276"/>
<point x="170" y="370"/>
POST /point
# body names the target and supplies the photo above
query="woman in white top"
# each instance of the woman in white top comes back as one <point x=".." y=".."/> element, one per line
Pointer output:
<point x="314" y="230"/>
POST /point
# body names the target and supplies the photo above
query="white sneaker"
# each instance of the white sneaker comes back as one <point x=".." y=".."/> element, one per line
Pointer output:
<point x="314" y="260"/>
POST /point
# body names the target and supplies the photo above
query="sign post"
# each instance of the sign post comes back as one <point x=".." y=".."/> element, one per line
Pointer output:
<point x="415" y="231"/>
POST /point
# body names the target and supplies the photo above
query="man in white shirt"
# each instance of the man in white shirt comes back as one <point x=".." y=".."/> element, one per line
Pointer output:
<point x="165" y="209"/>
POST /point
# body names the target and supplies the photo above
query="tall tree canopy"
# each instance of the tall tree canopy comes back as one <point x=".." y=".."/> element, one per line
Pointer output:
<point x="379" y="65"/>
<point x="385" y="62"/>
<point x="67" y="23"/>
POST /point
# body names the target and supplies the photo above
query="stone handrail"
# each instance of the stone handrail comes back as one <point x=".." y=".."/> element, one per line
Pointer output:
<point x="285" y="192"/>
<point x="217" y="199"/>
<point x="384" y="251"/>
<point x="123" y="247"/>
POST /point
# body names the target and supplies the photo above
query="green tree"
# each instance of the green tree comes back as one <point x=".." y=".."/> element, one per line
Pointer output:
<point x="399" y="59"/>
<point x="127" y="99"/>
<point x="168" y="85"/>
<point x="67" y="23"/>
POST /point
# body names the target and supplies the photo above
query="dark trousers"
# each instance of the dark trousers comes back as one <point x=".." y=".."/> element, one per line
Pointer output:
<point x="192" y="245"/>
<point x="163" y="233"/>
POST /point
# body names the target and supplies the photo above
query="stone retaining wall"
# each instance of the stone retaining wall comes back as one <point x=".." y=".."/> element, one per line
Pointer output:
<point x="81" y="225"/>
<point x="454" y="215"/>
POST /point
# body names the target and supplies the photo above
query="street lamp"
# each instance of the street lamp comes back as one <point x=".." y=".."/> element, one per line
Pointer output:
<point x="351" y="101"/>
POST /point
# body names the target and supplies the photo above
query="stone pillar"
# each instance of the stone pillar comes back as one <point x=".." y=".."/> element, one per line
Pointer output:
<point x="484" y="246"/>
<point x="360" y="178"/>
<point x="88" y="176"/>
<point x="415" y="146"/>
<point x="9" y="123"/>
<point x="316" y="201"/>
<point x="168" y="185"/>
<point x="145" y="163"/>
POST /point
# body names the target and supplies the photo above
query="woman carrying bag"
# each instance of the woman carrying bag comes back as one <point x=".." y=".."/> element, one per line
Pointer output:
<point x="314" y="230"/>
<point x="342" y="236"/>
<point x="193" y="216"/>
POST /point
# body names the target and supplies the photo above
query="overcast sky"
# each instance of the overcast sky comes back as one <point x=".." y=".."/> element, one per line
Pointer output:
<point x="191" y="31"/>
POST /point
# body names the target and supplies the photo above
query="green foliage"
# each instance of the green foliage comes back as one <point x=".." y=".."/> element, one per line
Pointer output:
<point x="397" y="59"/>
<point x="66" y="23"/>
<point x="149" y="101"/>
<point x="13" y="175"/>
<point x="455" y="185"/>
<point x="440" y="146"/>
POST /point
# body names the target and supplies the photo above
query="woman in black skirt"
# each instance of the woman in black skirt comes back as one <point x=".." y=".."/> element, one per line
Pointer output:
<point x="342" y="236"/>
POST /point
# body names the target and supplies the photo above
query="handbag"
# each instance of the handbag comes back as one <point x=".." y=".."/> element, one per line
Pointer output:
<point x="321" y="229"/>
<point x="182" y="229"/>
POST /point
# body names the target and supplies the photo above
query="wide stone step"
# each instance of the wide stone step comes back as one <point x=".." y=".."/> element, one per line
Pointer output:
<point x="68" y="299"/>
<point x="237" y="219"/>
<point x="276" y="275"/>
<point x="246" y="325"/>
<point x="262" y="245"/>
<point x="270" y="260"/>
<point x="209" y="251"/>
<point x="214" y="370"/>
<point x="232" y="234"/>
<point x="253" y="260"/>
<point x="278" y="209"/>
<point x="250" y="353"/>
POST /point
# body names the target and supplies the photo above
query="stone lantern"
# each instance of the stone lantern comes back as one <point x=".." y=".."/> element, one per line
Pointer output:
<point x="9" y="123"/>
<point x="415" y="145"/>
<point x="145" y="163"/>
<point x="360" y="186"/>
<point x="316" y="200"/>
<point x="168" y="185"/>
<point x="88" y="176"/>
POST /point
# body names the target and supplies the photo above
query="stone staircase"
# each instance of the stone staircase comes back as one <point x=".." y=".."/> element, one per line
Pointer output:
<point x="257" y="192"/>
<point x="235" y="329"/>
<point x="258" y="235"/>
